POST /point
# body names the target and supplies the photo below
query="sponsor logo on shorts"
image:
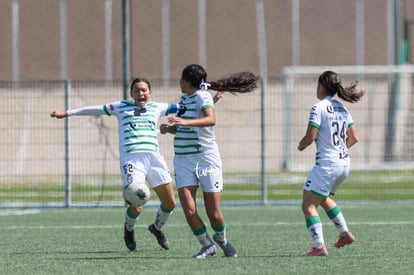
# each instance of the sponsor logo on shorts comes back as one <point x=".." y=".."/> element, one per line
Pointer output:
<point x="207" y="171"/>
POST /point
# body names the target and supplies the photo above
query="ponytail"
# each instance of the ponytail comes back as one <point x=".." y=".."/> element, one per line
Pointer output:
<point x="332" y="84"/>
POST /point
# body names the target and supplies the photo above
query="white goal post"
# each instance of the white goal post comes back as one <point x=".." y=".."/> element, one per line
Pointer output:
<point x="348" y="70"/>
<point x="383" y="117"/>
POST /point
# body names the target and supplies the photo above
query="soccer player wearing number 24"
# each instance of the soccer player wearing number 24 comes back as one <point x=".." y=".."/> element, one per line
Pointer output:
<point x="333" y="130"/>
<point x="140" y="159"/>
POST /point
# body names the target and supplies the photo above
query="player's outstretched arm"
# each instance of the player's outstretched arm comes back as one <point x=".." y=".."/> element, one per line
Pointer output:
<point x="59" y="114"/>
<point x="83" y="111"/>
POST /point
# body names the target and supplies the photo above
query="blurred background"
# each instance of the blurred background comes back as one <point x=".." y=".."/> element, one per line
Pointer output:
<point x="65" y="54"/>
<point x="87" y="40"/>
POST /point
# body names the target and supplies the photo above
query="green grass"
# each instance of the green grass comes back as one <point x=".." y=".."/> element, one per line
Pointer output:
<point x="269" y="239"/>
<point x="374" y="185"/>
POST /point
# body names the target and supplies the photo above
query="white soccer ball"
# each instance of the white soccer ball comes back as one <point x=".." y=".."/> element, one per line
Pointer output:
<point x="136" y="194"/>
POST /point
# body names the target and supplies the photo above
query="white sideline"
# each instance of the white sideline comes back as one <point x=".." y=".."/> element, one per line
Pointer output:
<point x="18" y="212"/>
<point x="255" y="224"/>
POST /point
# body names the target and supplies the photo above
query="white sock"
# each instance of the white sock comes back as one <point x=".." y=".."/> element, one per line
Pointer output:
<point x="202" y="236"/>
<point x="338" y="219"/>
<point x="130" y="221"/>
<point x="204" y="239"/>
<point x="340" y="224"/>
<point x="221" y="233"/>
<point x="314" y="226"/>
<point x="161" y="218"/>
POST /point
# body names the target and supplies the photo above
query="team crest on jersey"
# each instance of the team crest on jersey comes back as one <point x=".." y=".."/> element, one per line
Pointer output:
<point x="111" y="107"/>
<point x="329" y="109"/>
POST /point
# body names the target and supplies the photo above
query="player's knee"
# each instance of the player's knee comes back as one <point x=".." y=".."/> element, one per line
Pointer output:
<point x="190" y="213"/>
<point x="169" y="205"/>
<point x="216" y="217"/>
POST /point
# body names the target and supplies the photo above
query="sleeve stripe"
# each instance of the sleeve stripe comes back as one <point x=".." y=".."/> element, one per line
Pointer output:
<point x="106" y="110"/>
<point x="207" y="106"/>
<point x="172" y="109"/>
<point x="314" y="124"/>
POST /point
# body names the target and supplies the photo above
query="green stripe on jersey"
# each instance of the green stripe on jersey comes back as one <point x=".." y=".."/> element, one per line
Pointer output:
<point x="186" y="132"/>
<point x="188" y="153"/>
<point x="141" y="143"/>
<point x="140" y="136"/>
<point x="187" y="146"/>
<point x="185" y="138"/>
<point x="141" y="150"/>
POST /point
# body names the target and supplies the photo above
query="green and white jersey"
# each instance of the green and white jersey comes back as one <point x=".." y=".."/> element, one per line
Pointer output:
<point x="194" y="140"/>
<point x="137" y="127"/>
<point x="332" y="120"/>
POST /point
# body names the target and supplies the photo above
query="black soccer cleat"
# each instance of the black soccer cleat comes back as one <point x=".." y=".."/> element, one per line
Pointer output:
<point x="129" y="238"/>
<point x="162" y="240"/>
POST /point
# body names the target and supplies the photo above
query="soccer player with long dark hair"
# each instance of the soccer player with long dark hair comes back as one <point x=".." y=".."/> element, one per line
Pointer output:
<point x="332" y="128"/>
<point x="197" y="160"/>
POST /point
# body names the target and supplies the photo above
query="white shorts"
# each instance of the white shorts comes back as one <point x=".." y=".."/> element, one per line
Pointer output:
<point x="204" y="170"/>
<point x="324" y="181"/>
<point x="141" y="167"/>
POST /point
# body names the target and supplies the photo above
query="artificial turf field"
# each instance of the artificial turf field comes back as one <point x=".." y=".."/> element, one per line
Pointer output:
<point x="269" y="240"/>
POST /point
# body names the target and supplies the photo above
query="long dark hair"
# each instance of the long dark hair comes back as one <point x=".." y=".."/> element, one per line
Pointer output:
<point x="242" y="82"/>
<point x="332" y="84"/>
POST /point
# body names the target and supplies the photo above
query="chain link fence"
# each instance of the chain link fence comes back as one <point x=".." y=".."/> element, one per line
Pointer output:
<point x="92" y="40"/>
<point x="59" y="54"/>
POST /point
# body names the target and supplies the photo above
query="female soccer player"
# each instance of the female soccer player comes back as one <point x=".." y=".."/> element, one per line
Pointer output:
<point x="197" y="159"/>
<point x="333" y="130"/>
<point x="140" y="159"/>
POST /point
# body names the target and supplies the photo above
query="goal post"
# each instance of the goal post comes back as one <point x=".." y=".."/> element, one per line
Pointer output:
<point x="383" y="117"/>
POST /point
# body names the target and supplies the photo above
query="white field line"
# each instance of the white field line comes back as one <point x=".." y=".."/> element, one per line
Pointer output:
<point x="18" y="212"/>
<point x="47" y="227"/>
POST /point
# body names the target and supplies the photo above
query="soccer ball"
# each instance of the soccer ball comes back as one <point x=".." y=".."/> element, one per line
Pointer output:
<point x="136" y="194"/>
